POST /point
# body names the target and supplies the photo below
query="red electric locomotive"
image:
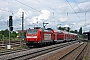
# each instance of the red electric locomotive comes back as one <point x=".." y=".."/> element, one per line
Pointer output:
<point x="39" y="36"/>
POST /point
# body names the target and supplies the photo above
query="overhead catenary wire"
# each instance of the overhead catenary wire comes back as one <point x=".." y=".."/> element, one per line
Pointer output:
<point x="28" y="6"/>
<point x="5" y="10"/>
<point x="24" y="5"/>
<point x="33" y="8"/>
<point x="45" y="5"/>
<point x="20" y="3"/>
<point x="73" y="9"/>
<point x="77" y="5"/>
<point x="85" y="19"/>
<point x="9" y="11"/>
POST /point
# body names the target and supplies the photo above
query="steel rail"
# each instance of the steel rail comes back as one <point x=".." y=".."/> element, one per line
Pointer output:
<point x="64" y="57"/>
<point x="39" y="52"/>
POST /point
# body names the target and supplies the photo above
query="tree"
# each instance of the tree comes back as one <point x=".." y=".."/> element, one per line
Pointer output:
<point x="13" y="34"/>
<point x="61" y="28"/>
<point x="76" y="31"/>
<point x="4" y="32"/>
<point x="72" y="31"/>
<point x="80" y="31"/>
<point x="1" y="36"/>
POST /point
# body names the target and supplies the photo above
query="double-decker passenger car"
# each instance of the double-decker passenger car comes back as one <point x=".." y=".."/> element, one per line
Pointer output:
<point x="66" y="36"/>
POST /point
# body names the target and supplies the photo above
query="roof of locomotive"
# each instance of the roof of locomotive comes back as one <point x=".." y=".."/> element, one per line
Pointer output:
<point x="41" y="29"/>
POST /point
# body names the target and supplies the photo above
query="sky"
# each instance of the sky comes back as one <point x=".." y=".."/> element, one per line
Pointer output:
<point x="65" y="13"/>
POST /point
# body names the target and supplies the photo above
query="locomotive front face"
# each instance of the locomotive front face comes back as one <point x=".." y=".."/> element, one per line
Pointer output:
<point x="31" y="35"/>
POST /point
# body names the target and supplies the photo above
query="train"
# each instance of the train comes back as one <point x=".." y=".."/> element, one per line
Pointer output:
<point x="38" y="36"/>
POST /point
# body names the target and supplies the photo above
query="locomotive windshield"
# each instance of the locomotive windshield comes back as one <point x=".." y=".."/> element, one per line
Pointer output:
<point x="31" y="31"/>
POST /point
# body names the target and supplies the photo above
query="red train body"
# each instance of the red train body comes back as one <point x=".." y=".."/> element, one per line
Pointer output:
<point x="40" y="36"/>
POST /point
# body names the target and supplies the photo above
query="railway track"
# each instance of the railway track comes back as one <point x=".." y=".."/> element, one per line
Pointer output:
<point x="12" y="51"/>
<point x="29" y="54"/>
<point x="86" y="55"/>
<point x="3" y="45"/>
<point x="75" y="53"/>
